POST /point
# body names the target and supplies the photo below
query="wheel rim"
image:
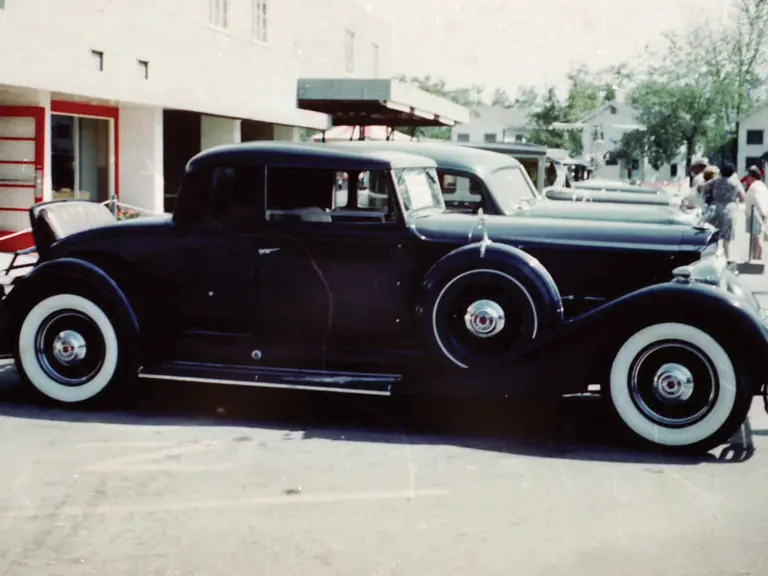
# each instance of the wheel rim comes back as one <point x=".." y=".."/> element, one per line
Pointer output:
<point x="674" y="384"/>
<point x="481" y="314"/>
<point x="69" y="347"/>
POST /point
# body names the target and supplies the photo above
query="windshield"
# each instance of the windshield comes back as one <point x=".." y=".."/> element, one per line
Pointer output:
<point x="511" y="186"/>
<point x="419" y="188"/>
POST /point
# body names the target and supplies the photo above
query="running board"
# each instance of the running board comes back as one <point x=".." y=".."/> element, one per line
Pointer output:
<point x="283" y="378"/>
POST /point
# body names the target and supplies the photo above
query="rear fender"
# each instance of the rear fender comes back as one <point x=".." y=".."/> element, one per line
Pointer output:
<point x="48" y="275"/>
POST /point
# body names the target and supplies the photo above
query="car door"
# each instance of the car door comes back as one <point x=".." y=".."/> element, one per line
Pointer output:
<point x="332" y="279"/>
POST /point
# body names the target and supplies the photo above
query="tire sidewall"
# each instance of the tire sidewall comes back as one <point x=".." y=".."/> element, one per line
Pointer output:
<point x="536" y="301"/>
<point x="727" y="414"/>
<point x="119" y="364"/>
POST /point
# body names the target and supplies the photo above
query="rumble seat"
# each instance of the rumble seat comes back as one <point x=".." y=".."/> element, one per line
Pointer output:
<point x="61" y="219"/>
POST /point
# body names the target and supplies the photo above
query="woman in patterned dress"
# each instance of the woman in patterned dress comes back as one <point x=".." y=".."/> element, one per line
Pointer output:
<point x="726" y="192"/>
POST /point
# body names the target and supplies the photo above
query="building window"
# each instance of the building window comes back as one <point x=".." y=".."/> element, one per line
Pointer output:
<point x="462" y="137"/>
<point x="80" y="156"/>
<point x="218" y="13"/>
<point x="259" y="22"/>
<point x="635" y="164"/>
<point x="753" y="161"/>
<point x="673" y="171"/>
<point x="350" y="51"/>
<point x="755" y="137"/>
<point x="489" y="137"/>
<point x="375" y="55"/>
<point x="519" y="138"/>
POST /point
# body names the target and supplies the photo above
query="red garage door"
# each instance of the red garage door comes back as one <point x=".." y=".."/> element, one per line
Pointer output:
<point x="22" y="166"/>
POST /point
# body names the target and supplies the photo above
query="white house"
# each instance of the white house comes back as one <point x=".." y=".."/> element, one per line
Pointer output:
<point x="112" y="97"/>
<point x="752" y="138"/>
<point x="602" y="131"/>
<point x="490" y="125"/>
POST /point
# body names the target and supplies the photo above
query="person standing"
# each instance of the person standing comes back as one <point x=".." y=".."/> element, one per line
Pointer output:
<point x="756" y="209"/>
<point x="698" y="165"/>
<point x="726" y="192"/>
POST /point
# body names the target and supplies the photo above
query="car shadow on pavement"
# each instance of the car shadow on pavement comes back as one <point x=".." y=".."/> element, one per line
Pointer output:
<point x="580" y="428"/>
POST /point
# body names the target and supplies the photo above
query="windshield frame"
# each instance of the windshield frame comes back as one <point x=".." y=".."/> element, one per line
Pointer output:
<point x="398" y="180"/>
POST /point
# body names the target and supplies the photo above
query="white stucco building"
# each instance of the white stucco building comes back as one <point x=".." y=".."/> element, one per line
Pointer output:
<point x="492" y="125"/>
<point x="112" y="97"/>
<point x="752" y="139"/>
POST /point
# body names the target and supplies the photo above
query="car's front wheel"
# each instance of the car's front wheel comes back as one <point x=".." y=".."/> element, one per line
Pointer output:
<point x="675" y="386"/>
<point x="73" y="349"/>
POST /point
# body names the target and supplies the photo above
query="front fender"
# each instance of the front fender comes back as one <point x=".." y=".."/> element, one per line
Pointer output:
<point x="593" y="338"/>
<point x="46" y="277"/>
<point x="495" y="254"/>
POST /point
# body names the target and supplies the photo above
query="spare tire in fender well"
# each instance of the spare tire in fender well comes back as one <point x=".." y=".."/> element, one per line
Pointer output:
<point x="521" y="273"/>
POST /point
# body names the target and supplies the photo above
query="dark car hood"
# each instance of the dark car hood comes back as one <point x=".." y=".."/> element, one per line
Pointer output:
<point x="650" y="214"/>
<point x="536" y="231"/>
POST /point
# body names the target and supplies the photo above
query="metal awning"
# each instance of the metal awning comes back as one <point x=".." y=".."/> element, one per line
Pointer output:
<point x="377" y="102"/>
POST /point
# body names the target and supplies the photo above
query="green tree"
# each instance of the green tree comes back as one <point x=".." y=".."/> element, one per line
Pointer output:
<point x="527" y="97"/>
<point x="549" y="111"/>
<point x="696" y="87"/>
<point x="501" y="99"/>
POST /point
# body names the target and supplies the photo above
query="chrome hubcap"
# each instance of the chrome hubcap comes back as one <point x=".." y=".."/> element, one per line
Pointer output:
<point x="673" y="383"/>
<point x="69" y="348"/>
<point x="484" y="318"/>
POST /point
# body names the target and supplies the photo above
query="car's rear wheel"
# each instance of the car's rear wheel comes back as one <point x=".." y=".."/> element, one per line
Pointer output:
<point x="71" y="350"/>
<point x="478" y="315"/>
<point x="674" y="386"/>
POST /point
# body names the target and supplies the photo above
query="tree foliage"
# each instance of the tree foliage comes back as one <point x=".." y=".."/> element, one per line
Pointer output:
<point x="696" y="87"/>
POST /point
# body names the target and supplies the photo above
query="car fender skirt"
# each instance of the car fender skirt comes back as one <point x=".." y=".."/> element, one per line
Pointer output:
<point x="61" y="275"/>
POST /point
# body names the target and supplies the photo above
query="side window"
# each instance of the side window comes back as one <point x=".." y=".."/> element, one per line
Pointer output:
<point x="461" y="194"/>
<point x="237" y="197"/>
<point x="322" y="195"/>
<point x="225" y="196"/>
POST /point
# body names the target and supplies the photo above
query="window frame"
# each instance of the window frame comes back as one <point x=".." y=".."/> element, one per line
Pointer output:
<point x="349" y="50"/>
<point x="260" y="21"/>
<point x="218" y="14"/>
<point x="394" y="200"/>
<point x="754" y="132"/>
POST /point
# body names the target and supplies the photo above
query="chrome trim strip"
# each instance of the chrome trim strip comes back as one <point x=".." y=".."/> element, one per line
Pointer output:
<point x="303" y="372"/>
<point x="262" y="384"/>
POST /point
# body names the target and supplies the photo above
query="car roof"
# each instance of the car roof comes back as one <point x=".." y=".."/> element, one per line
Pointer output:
<point x="447" y="155"/>
<point x="308" y="155"/>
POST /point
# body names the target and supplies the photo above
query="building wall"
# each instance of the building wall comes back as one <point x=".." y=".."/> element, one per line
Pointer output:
<point x="321" y="43"/>
<point x="192" y="64"/>
<point x="479" y="127"/>
<point x="141" y="157"/>
<point x="748" y="153"/>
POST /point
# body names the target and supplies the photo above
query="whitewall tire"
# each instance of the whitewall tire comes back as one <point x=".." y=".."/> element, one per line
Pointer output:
<point x="675" y="386"/>
<point x="68" y="349"/>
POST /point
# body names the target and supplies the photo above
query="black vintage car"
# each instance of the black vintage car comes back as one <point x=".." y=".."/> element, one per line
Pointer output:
<point x="474" y="179"/>
<point x="261" y="279"/>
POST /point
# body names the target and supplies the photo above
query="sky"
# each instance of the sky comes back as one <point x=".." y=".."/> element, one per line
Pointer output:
<point x="512" y="43"/>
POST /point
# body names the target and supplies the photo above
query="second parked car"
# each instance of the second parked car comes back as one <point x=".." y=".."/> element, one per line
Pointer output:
<point x="472" y="179"/>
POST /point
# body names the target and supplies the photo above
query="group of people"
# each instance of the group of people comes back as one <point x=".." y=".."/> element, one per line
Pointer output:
<point x="721" y="190"/>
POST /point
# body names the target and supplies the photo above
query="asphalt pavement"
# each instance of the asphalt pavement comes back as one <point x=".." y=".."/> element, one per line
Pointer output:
<point x="202" y="480"/>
